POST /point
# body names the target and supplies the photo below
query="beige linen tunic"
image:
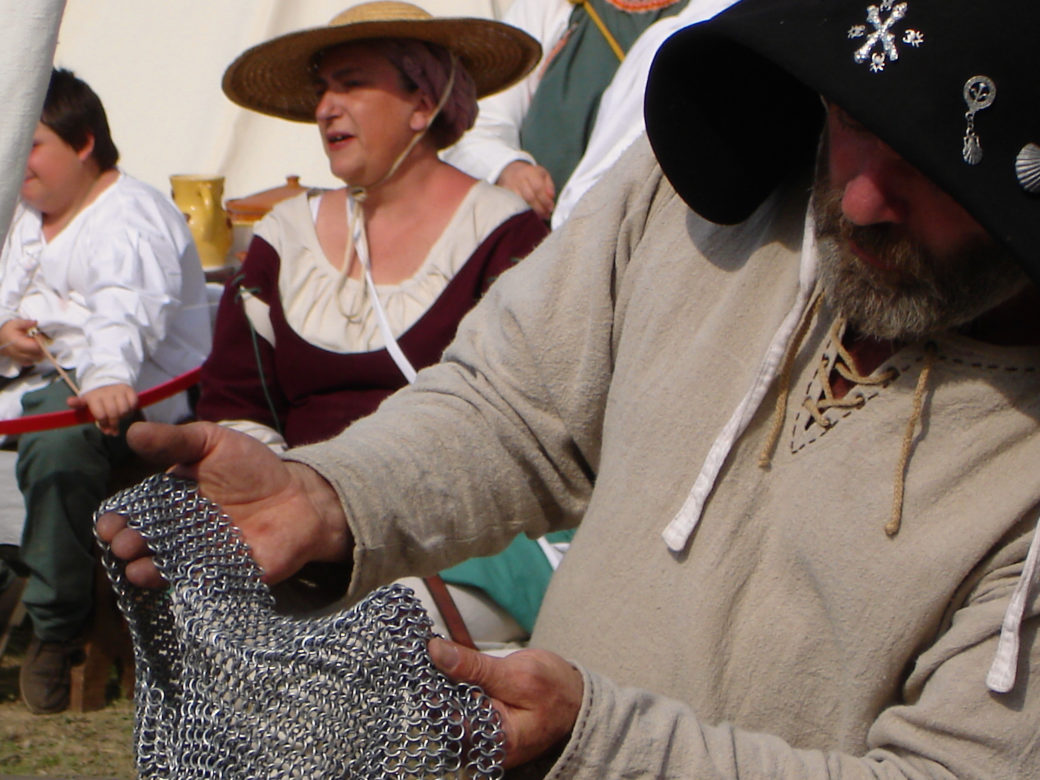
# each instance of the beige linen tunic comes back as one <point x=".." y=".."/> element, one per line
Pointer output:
<point x="793" y="637"/>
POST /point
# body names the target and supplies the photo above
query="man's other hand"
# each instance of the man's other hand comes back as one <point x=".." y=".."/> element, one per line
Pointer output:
<point x="537" y="694"/>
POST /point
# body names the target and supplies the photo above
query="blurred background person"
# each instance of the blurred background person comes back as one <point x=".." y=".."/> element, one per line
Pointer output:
<point x="530" y="137"/>
<point x="101" y="296"/>
<point x="619" y="115"/>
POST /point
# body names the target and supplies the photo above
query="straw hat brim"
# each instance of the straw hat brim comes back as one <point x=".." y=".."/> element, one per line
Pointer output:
<point x="275" y="77"/>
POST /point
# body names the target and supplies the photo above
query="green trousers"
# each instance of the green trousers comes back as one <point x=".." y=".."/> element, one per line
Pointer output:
<point x="63" y="475"/>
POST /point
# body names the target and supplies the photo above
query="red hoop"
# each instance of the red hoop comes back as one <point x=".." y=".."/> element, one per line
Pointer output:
<point x="45" y="422"/>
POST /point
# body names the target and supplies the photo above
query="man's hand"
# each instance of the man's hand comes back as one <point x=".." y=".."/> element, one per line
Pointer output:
<point x="109" y="405"/>
<point x="537" y="694"/>
<point x="288" y="514"/>
<point x="17" y="344"/>
<point x="532" y="183"/>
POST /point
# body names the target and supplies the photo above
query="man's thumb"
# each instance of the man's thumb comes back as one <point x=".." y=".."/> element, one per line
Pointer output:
<point x="459" y="663"/>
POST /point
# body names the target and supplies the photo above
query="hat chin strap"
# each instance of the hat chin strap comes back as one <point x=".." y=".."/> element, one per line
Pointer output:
<point x="360" y="192"/>
<point x="358" y="240"/>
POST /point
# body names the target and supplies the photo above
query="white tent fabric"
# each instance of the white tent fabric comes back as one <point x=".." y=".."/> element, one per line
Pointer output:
<point x="27" y="40"/>
<point x="157" y="68"/>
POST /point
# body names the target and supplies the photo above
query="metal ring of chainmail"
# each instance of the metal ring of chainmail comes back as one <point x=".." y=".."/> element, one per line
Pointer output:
<point x="228" y="688"/>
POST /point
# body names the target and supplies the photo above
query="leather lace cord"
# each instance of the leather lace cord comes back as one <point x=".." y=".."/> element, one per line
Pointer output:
<point x="930" y="353"/>
<point x="449" y="611"/>
<point x="845" y="366"/>
<point x="784" y="384"/>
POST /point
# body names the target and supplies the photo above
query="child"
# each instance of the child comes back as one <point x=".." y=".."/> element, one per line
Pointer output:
<point x="101" y="294"/>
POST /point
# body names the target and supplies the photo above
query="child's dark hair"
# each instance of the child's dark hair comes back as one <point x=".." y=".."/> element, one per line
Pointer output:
<point x="74" y="112"/>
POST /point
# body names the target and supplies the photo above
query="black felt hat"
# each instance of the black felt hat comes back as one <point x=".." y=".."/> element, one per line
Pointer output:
<point x="732" y="104"/>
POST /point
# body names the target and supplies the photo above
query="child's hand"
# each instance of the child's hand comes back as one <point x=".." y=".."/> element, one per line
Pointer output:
<point x="17" y="344"/>
<point x="108" y="404"/>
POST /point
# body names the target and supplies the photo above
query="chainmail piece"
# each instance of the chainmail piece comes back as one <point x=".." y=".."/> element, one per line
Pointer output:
<point x="228" y="688"/>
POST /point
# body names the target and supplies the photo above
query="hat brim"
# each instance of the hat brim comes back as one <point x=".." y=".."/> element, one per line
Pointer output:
<point x="726" y="141"/>
<point x="732" y="106"/>
<point x="275" y="77"/>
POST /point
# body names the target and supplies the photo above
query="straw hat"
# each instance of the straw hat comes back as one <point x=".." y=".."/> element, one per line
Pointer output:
<point x="276" y="78"/>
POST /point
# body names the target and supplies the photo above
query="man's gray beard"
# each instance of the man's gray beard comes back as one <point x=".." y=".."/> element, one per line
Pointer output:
<point x="924" y="296"/>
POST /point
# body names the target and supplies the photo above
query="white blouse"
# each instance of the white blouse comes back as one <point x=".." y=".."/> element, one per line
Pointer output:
<point x="315" y="298"/>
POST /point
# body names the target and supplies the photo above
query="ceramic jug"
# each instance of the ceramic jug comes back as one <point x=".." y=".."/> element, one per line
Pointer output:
<point x="249" y="210"/>
<point x="199" y="197"/>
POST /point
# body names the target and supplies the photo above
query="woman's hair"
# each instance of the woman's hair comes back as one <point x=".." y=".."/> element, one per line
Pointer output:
<point x="427" y="67"/>
<point x="74" y="112"/>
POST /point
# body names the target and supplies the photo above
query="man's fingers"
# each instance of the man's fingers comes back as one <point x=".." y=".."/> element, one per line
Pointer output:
<point x="124" y="542"/>
<point x="460" y="663"/>
<point x="129" y="545"/>
<point x="110" y="524"/>
<point x="143" y="574"/>
<point x="537" y="694"/>
<point x="165" y="445"/>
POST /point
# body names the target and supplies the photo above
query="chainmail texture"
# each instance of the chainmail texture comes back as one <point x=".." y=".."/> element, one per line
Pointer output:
<point x="228" y="688"/>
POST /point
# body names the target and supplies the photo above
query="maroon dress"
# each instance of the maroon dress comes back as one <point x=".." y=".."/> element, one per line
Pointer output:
<point x="310" y="394"/>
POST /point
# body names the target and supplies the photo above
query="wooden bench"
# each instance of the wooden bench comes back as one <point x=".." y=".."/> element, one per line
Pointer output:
<point x="108" y="651"/>
<point x="107" y="645"/>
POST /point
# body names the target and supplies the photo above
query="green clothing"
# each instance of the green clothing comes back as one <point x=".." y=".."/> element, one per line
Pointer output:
<point x="63" y="475"/>
<point x="515" y="579"/>
<point x="559" y="120"/>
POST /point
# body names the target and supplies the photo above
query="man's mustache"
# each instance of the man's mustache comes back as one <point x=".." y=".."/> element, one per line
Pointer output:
<point x="887" y="242"/>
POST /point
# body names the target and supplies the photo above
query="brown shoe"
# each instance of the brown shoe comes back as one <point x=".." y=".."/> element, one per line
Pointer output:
<point x="44" y="678"/>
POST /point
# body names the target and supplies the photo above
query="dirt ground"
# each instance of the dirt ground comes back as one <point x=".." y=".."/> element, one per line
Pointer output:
<point x="90" y="745"/>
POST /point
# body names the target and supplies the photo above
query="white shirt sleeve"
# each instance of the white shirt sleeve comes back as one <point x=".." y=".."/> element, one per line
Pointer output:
<point x="131" y="294"/>
<point x="494" y="140"/>
<point x="15" y="275"/>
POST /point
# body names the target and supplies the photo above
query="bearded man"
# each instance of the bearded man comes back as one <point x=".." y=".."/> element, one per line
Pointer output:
<point x="828" y="410"/>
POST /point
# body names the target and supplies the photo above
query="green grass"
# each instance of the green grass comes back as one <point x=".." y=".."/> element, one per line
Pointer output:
<point x="89" y="745"/>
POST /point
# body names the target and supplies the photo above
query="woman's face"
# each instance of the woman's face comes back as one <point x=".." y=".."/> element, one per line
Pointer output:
<point x="54" y="170"/>
<point x="365" y="116"/>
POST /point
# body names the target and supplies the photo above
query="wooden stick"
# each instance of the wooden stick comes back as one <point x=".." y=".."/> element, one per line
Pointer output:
<point x="39" y="337"/>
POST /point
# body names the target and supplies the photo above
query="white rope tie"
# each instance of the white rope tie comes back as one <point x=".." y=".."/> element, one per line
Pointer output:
<point x="357" y="239"/>
<point x="677" y="534"/>
<point x="1002" y="673"/>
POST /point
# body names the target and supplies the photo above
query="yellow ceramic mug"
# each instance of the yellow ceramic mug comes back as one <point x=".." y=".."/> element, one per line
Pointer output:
<point x="199" y="197"/>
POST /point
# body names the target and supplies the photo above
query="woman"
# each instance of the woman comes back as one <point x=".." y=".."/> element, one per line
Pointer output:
<point x="403" y="250"/>
<point x="345" y="293"/>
